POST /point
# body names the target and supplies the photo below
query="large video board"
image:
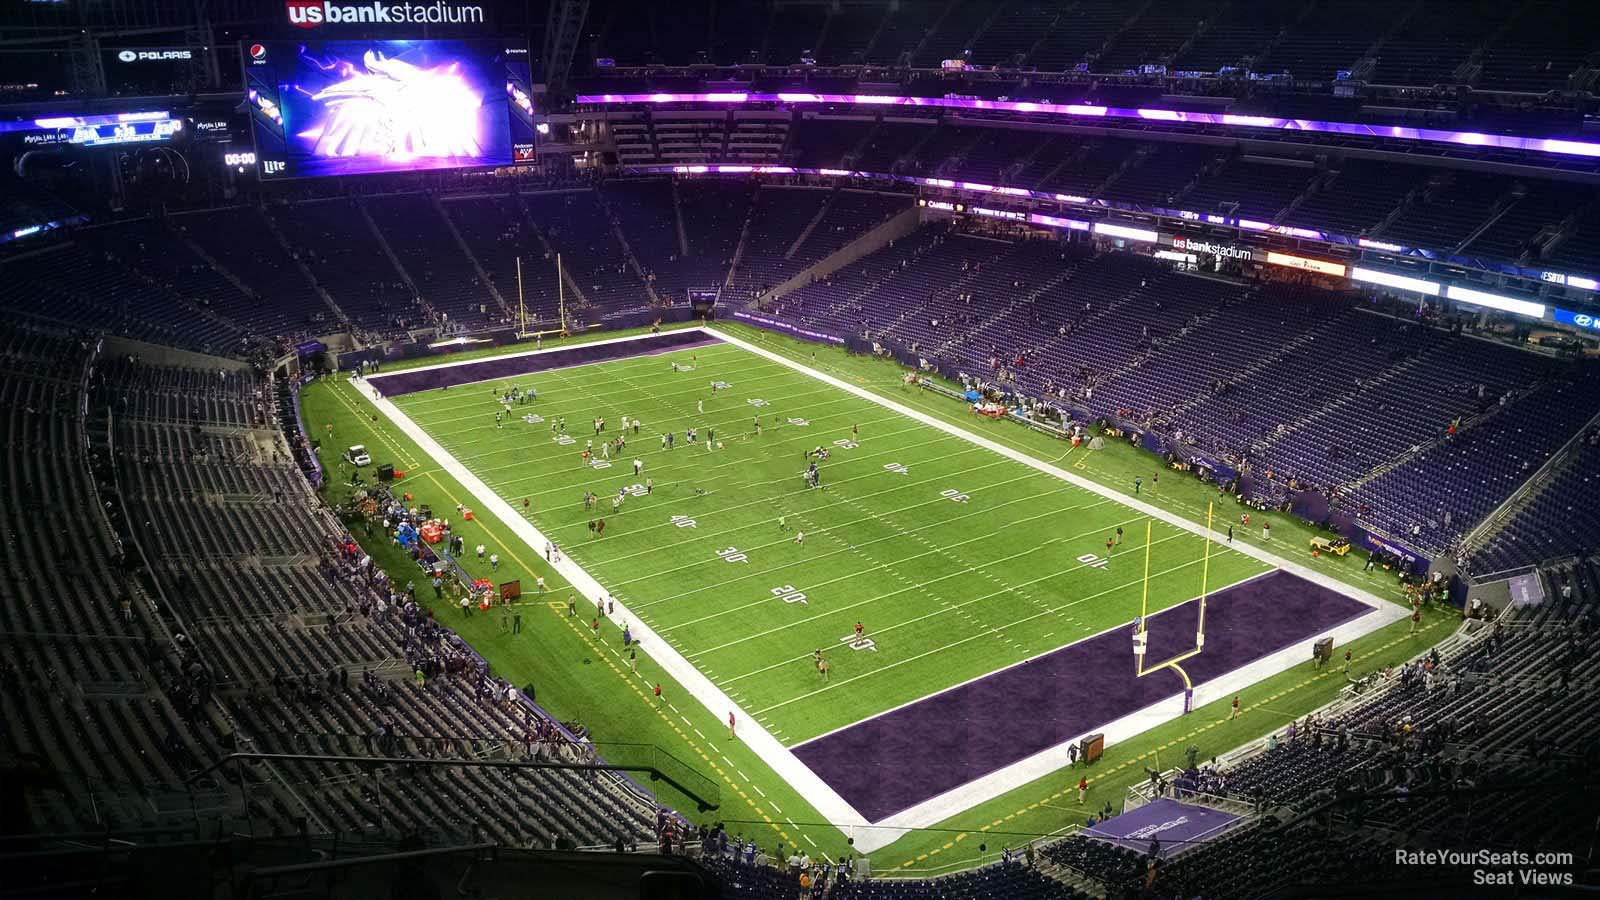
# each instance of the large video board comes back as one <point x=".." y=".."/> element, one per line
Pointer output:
<point x="353" y="107"/>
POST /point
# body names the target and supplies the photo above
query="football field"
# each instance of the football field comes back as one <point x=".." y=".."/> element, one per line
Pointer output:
<point x="963" y="566"/>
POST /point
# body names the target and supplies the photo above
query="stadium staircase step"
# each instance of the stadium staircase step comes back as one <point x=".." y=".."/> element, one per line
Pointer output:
<point x="895" y="227"/>
<point x="211" y="261"/>
<point x="1502" y="515"/>
<point x="388" y="251"/>
<point x="1418" y="450"/>
<point x="466" y="250"/>
<point x="854" y="153"/>
<point x="677" y="216"/>
<point x="1503" y="206"/>
<point x="305" y="271"/>
<point x="627" y="249"/>
<point x="566" y="272"/>
<point x="738" y="249"/>
<point x="1072" y="878"/>
<point x="990" y="325"/>
<point x="1111" y="39"/>
<point x="812" y="225"/>
<point x="1386" y="376"/>
<point x="906" y="56"/>
<point x="877" y="32"/>
<point x="1260" y="363"/>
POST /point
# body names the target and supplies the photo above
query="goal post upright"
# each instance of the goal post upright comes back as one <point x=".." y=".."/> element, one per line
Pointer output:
<point x="1141" y="635"/>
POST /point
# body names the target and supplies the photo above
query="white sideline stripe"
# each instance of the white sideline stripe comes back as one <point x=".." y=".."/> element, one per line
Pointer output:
<point x="824" y="798"/>
<point x="1084" y="483"/>
<point x="937" y="809"/>
<point x="781" y="759"/>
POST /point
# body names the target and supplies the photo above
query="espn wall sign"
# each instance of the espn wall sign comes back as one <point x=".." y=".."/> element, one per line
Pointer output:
<point x="316" y="13"/>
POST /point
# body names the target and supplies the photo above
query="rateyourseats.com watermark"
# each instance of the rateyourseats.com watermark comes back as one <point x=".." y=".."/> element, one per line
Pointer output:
<point x="1519" y="868"/>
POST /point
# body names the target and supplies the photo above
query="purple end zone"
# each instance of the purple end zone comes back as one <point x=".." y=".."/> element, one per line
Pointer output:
<point x="511" y="366"/>
<point x="897" y="760"/>
<point x="1178" y="826"/>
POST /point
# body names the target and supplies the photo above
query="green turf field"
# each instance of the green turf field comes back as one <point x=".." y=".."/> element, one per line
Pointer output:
<point x="956" y="560"/>
<point x="581" y="678"/>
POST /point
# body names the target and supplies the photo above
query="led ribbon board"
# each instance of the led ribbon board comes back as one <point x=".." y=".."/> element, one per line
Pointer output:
<point x="1547" y="145"/>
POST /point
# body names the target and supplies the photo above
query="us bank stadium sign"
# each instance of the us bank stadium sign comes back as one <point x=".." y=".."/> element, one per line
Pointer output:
<point x="1226" y="251"/>
<point x="315" y="13"/>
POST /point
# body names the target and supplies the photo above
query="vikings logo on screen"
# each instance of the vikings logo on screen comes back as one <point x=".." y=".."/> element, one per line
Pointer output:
<point x="365" y="106"/>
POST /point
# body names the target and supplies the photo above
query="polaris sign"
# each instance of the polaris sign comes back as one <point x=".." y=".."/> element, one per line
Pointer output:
<point x="315" y="13"/>
<point x="142" y="56"/>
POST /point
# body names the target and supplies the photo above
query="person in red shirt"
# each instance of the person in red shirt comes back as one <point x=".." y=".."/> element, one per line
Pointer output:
<point x="1234" y="712"/>
<point x="1083" y="789"/>
<point x="731" y="722"/>
<point x="658" y="690"/>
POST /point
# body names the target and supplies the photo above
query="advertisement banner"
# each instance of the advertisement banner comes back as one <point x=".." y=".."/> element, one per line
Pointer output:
<point x="788" y="328"/>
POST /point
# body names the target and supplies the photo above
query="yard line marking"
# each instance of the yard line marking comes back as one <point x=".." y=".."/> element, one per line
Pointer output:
<point x="937" y="612"/>
<point x="1136" y="503"/>
<point x="700" y="537"/>
<point x="828" y="532"/>
<point x="828" y="803"/>
<point x="983" y="632"/>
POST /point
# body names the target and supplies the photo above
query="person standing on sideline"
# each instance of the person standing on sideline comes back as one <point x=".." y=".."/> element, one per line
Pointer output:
<point x="1083" y="789"/>
<point x="731" y="722"/>
<point x="1138" y="483"/>
<point x="1416" y="620"/>
<point x="516" y="622"/>
<point x="1119" y="535"/>
<point x="1233" y="712"/>
<point x="633" y="660"/>
<point x="572" y="606"/>
<point x="1230" y="532"/>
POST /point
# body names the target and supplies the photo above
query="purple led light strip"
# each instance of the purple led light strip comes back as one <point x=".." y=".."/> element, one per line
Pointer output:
<point x="1557" y="146"/>
<point x="1575" y="281"/>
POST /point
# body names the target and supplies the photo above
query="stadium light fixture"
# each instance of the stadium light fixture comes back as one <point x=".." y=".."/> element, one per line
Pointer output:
<point x="1389" y="279"/>
<point x="1126" y="233"/>
<point x="1495" y="301"/>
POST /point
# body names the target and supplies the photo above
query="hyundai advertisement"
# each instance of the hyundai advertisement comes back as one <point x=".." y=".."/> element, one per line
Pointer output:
<point x="353" y="107"/>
